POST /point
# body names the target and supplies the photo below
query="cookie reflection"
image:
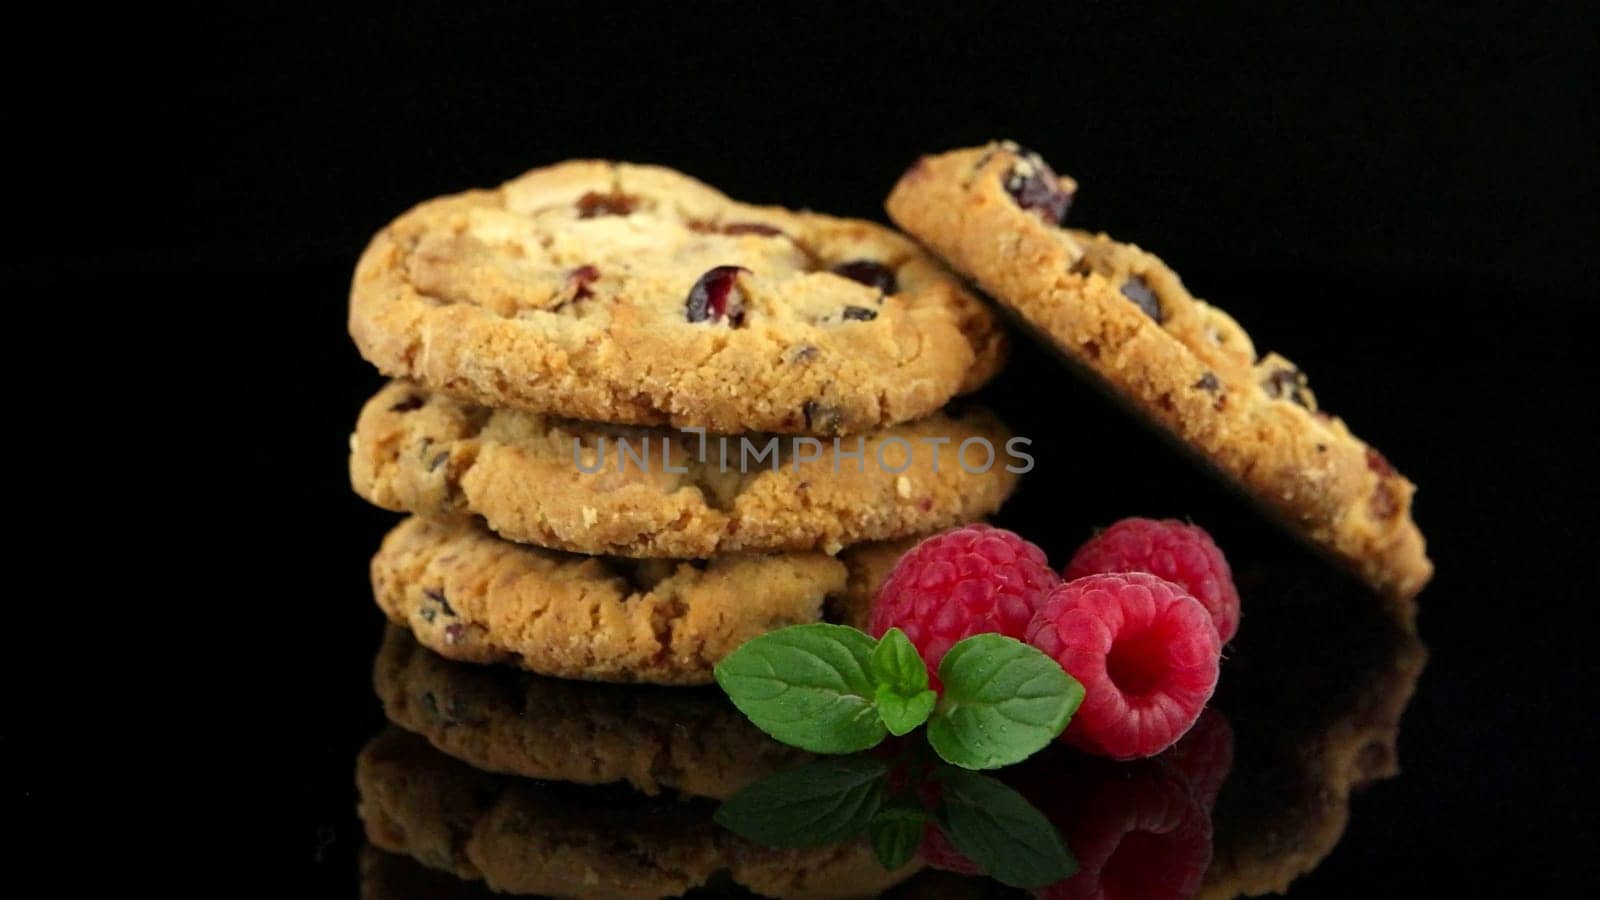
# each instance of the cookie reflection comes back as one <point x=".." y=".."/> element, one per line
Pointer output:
<point x="521" y="836"/>
<point x="531" y="785"/>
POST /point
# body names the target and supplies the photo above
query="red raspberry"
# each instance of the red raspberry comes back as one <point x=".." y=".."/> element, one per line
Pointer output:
<point x="1205" y="756"/>
<point x="1145" y="651"/>
<point x="1179" y="552"/>
<point x="963" y="582"/>
<point x="1136" y="830"/>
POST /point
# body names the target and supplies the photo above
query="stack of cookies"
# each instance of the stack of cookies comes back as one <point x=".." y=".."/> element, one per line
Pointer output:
<point x="637" y="423"/>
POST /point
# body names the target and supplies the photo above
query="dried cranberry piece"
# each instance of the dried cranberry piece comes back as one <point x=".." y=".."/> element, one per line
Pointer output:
<point x="1033" y="184"/>
<point x="1377" y="463"/>
<point x="870" y="273"/>
<point x="714" y="296"/>
<point x="859" y="314"/>
<point x="582" y="277"/>
<point x="752" y="228"/>
<point x="595" y="204"/>
<point x="1383" y="503"/>
<point x="1136" y="290"/>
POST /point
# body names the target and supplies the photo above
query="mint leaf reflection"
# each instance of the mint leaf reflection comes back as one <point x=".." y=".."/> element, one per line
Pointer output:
<point x="823" y="802"/>
<point x="1001" y="832"/>
<point x="847" y="798"/>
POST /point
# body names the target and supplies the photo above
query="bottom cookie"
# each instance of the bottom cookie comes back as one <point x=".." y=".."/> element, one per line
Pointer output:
<point x="691" y="741"/>
<point x="470" y="596"/>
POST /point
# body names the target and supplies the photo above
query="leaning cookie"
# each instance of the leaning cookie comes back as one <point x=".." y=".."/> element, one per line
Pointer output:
<point x="1121" y="315"/>
<point x="633" y="294"/>
<point x="551" y="839"/>
<point x="599" y="489"/>
<point x="692" y="742"/>
<point x="470" y="596"/>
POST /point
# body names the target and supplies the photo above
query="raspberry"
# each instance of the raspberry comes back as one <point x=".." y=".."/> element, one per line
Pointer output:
<point x="1205" y="757"/>
<point x="1179" y="552"/>
<point x="1145" y="651"/>
<point x="963" y="582"/>
<point x="1136" y="830"/>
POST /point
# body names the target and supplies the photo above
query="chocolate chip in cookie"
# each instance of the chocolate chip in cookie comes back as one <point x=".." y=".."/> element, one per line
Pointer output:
<point x="870" y="273"/>
<point x="1140" y="294"/>
<point x="437" y="596"/>
<point x="821" y="417"/>
<point x="859" y="314"/>
<point x="1289" y="384"/>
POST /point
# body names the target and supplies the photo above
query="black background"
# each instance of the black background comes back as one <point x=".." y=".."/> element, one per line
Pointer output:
<point x="1400" y="200"/>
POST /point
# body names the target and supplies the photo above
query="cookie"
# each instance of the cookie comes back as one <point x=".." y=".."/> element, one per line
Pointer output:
<point x="470" y="596"/>
<point x="690" y="741"/>
<point x="1120" y="315"/>
<point x="633" y="294"/>
<point x="525" y="837"/>
<point x="662" y="493"/>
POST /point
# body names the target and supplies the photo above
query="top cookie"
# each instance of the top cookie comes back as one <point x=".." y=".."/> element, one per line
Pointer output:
<point x="1120" y="314"/>
<point x="636" y="295"/>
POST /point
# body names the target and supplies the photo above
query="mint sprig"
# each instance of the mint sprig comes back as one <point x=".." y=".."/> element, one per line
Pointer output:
<point x="809" y="686"/>
<point x="1003" y="701"/>
<point x="833" y="689"/>
<point x="904" y="700"/>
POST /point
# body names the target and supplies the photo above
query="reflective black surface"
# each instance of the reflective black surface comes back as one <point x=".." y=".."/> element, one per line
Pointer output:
<point x="1401" y="202"/>
<point x="538" y="786"/>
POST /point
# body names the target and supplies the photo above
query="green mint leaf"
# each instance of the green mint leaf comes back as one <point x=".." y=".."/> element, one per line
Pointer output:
<point x="1003" y="701"/>
<point x="904" y="700"/>
<point x="1000" y="831"/>
<point x="902" y="714"/>
<point x="895" y="839"/>
<point x="822" y="802"/>
<point x="809" y="686"/>
<point x="896" y="664"/>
